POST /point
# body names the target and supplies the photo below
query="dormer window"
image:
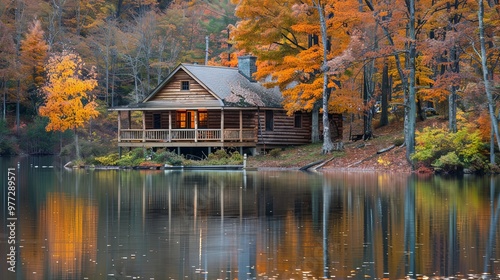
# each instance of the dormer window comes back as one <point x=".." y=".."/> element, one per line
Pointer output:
<point x="184" y="85"/>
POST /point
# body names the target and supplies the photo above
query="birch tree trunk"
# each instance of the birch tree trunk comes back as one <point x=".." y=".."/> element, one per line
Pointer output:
<point x="327" y="136"/>
<point x="487" y="86"/>
<point x="410" y="108"/>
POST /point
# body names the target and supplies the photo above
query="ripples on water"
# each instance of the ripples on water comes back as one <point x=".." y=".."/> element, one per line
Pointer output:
<point x="91" y="224"/>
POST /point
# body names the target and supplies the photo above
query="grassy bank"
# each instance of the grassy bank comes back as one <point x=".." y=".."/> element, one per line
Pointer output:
<point x="291" y="157"/>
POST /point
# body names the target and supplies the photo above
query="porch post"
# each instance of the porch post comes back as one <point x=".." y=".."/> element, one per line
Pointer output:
<point x="196" y="126"/>
<point x="119" y="125"/>
<point x="169" y="126"/>
<point x="241" y="126"/>
<point x="129" y="117"/>
<point x="222" y="125"/>
<point x="143" y="126"/>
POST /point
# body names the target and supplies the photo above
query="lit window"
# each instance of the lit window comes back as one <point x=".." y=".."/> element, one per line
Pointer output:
<point x="202" y="119"/>
<point x="181" y="120"/>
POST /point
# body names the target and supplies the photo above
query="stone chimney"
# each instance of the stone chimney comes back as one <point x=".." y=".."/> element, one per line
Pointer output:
<point x="247" y="67"/>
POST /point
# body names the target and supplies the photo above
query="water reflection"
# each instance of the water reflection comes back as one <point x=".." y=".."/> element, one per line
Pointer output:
<point x="254" y="225"/>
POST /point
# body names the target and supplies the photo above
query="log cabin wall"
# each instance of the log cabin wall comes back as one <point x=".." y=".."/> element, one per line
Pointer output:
<point x="232" y="119"/>
<point x="214" y="119"/>
<point x="284" y="130"/>
<point x="149" y="118"/>
<point x="173" y="90"/>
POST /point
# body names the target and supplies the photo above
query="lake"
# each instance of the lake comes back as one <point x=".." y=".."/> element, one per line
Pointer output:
<point x="155" y="224"/>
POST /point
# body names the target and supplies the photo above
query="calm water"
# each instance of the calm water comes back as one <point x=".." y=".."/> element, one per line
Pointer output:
<point x="91" y="224"/>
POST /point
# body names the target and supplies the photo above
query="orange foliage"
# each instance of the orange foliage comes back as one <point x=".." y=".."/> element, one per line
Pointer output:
<point x="33" y="54"/>
<point x="68" y="104"/>
<point x="484" y="124"/>
<point x="286" y="38"/>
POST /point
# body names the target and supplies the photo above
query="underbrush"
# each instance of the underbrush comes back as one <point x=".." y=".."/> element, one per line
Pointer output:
<point x="447" y="152"/>
<point x="292" y="156"/>
<point x="143" y="157"/>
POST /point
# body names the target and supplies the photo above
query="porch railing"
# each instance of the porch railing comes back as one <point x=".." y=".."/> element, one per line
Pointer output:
<point x="177" y="135"/>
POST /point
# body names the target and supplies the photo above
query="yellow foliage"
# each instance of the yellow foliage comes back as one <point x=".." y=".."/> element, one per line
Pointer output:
<point x="67" y="102"/>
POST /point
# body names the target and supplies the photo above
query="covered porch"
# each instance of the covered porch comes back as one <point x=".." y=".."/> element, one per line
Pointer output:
<point x="187" y="128"/>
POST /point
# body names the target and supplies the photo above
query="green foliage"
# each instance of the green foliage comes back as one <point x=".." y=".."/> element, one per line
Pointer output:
<point x="132" y="158"/>
<point x="219" y="157"/>
<point x="36" y="140"/>
<point x="7" y="142"/>
<point x="163" y="156"/>
<point x="275" y="153"/>
<point x="449" y="163"/>
<point x="450" y="152"/>
<point x="107" y="160"/>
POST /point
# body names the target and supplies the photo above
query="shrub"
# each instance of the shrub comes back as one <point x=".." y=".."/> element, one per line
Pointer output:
<point x="450" y="152"/>
<point x="220" y="157"/>
<point x="449" y="163"/>
<point x="7" y="142"/>
<point x="132" y="158"/>
<point x="163" y="156"/>
<point x="236" y="157"/>
<point x="36" y="140"/>
<point x="107" y="160"/>
<point x="275" y="153"/>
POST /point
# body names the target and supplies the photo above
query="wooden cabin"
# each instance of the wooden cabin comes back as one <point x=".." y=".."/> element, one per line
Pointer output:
<point x="199" y="106"/>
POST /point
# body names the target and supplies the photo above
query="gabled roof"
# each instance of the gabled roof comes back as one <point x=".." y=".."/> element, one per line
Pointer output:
<point x="228" y="86"/>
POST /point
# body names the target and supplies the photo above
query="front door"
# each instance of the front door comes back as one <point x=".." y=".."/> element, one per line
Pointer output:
<point x="156" y="121"/>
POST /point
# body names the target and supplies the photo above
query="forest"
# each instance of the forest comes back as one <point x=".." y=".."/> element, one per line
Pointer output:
<point x="391" y="58"/>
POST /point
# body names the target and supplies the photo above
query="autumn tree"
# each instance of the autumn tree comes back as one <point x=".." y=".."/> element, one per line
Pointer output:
<point x="68" y="103"/>
<point x="295" y="42"/>
<point x="33" y="53"/>
<point x="7" y="55"/>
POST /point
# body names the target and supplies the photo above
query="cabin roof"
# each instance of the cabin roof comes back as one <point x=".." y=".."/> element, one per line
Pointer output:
<point x="229" y="87"/>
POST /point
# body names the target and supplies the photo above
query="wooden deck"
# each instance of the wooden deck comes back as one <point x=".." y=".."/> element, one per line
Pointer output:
<point x="187" y="137"/>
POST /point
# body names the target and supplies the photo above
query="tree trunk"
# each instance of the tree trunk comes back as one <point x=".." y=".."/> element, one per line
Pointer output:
<point x="77" y="146"/>
<point x="384" y="104"/>
<point x="327" y="138"/>
<point x="327" y="135"/>
<point x="453" y="98"/>
<point x="489" y="95"/>
<point x="410" y="108"/>
<point x="492" y="146"/>
<point x="452" y="110"/>
<point x="4" y="107"/>
<point x="420" y="109"/>
<point x="18" y="106"/>
<point x="367" y="97"/>
<point x="315" y="123"/>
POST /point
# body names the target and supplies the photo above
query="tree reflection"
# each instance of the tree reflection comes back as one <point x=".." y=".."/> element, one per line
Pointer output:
<point x="71" y="234"/>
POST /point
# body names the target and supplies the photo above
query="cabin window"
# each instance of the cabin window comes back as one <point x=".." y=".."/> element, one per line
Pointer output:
<point x="181" y="119"/>
<point x="269" y="120"/>
<point x="185" y="119"/>
<point x="202" y="119"/>
<point x="156" y="121"/>
<point x="184" y="85"/>
<point x="298" y="120"/>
